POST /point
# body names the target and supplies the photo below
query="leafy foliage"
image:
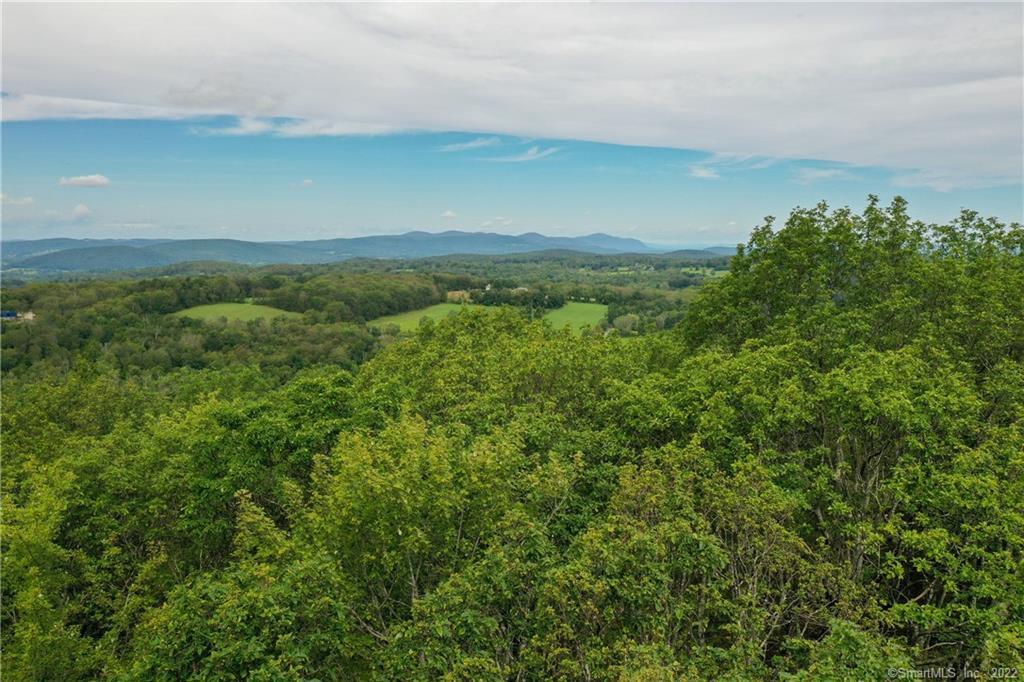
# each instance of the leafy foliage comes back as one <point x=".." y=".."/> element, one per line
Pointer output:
<point x="818" y="474"/>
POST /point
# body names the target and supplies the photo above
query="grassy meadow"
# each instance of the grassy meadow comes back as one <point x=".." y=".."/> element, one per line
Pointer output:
<point x="574" y="314"/>
<point x="409" y="320"/>
<point x="577" y="315"/>
<point x="234" y="311"/>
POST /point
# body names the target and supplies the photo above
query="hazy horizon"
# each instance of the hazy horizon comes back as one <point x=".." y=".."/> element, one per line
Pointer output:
<point x="648" y="243"/>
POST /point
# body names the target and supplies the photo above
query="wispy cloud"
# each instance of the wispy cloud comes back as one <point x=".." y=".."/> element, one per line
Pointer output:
<point x="306" y="183"/>
<point x="85" y="181"/>
<point x="531" y="154"/>
<point x="704" y="173"/>
<point x="478" y="143"/>
<point x="742" y="161"/>
<point x="806" y="176"/>
<point x="949" y="180"/>
<point x="293" y="128"/>
<point x="497" y="221"/>
<point x="716" y="165"/>
<point x="80" y="213"/>
<point x="244" y="126"/>
<point x="316" y="128"/>
<point x="449" y="215"/>
<point x="16" y="201"/>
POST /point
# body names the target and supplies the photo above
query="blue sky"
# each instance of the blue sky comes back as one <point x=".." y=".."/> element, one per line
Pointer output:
<point x="179" y="179"/>
<point x="677" y="123"/>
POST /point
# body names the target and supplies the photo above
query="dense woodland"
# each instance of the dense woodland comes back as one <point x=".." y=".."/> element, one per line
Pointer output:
<point x="125" y="324"/>
<point x="816" y="474"/>
<point x="123" y="320"/>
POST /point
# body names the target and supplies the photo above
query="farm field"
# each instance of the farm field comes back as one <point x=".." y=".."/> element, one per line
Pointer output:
<point x="234" y="311"/>
<point x="408" y="321"/>
<point x="577" y="315"/>
<point x="574" y="314"/>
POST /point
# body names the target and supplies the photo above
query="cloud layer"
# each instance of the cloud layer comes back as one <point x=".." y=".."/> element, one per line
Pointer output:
<point x="933" y="90"/>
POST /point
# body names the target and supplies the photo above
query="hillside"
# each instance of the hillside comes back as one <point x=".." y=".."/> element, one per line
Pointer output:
<point x="233" y="251"/>
<point x="108" y="255"/>
<point x="420" y="244"/>
<point x="700" y="254"/>
<point x="96" y="258"/>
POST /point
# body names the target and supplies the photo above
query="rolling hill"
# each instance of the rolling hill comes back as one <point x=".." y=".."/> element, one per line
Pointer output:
<point x="95" y="258"/>
<point x="232" y="251"/>
<point x="21" y="249"/>
<point x="420" y="244"/>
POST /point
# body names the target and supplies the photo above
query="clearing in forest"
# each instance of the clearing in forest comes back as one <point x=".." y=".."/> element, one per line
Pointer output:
<point x="577" y="315"/>
<point x="574" y="314"/>
<point x="234" y="311"/>
<point x="410" y="319"/>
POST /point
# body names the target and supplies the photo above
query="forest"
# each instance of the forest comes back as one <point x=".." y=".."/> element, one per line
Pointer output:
<point x="811" y="469"/>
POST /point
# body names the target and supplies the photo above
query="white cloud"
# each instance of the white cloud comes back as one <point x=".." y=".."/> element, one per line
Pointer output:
<point x="941" y="181"/>
<point x="292" y="128"/>
<point x="307" y="183"/>
<point x="16" y="201"/>
<point x="940" y="84"/>
<point x="313" y="128"/>
<point x="449" y="215"/>
<point x="80" y="213"/>
<point x="213" y="91"/>
<point x="85" y="181"/>
<point x="728" y="163"/>
<point x="244" y="126"/>
<point x="531" y="154"/>
<point x="29" y="106"/>
<point x="704" y="173"/>
<point x="497" y="221"/>
<point x="478" y="143"/>
<point x="806" y="176"/>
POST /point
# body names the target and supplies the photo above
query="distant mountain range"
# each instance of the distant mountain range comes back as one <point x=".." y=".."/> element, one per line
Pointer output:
<point x="68" y="255"/>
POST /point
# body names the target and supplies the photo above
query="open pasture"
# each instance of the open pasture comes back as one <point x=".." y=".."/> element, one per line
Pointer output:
<point x="409" y="320"/>
<point x="234" y="311"/>
<point x="574" y="314"/>
<point x="577" y="315"/>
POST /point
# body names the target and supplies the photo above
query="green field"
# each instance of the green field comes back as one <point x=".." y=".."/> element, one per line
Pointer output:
<point x="234" y="311"/>
<point x="408" y="321"/>
<point x="577" y="315"/>
<point x="574" y="314"/>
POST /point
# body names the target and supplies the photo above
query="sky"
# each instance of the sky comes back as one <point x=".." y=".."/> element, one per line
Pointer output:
<point x="678" y="124"/>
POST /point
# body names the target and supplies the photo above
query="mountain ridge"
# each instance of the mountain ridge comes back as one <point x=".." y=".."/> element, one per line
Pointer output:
<point x="69" y="255"/>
